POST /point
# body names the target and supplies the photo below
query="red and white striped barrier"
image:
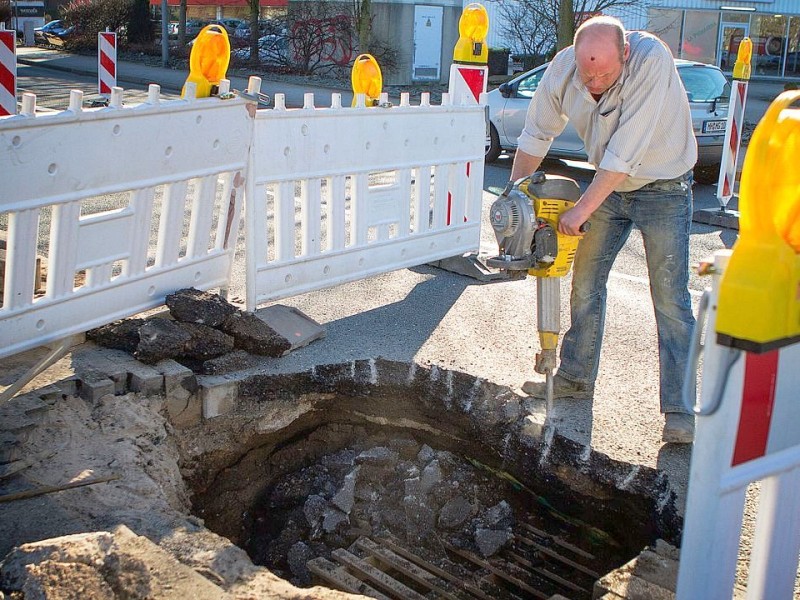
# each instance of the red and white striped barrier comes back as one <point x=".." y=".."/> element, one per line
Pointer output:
<point x="733" y="140"/>
<point x="8" y="73"/>
<point x="747" y="433"/>
<point x="106" y="62"/>
<point x="466" y="84"/>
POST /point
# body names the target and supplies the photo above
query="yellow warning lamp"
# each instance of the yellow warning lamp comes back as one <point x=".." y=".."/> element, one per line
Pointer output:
<point x="366" y="79"/>
<point x="759" y="297"/>
<point x="208" y="62"/>
<point x="473" y="26"/>
<point x="741" y="70"/>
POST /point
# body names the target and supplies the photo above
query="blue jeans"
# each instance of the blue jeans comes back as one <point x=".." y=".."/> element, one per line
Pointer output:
<point x="662" y="211"/>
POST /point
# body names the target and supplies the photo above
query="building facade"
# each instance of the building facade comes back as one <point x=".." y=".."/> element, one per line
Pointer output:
<point x="708" y="31"/>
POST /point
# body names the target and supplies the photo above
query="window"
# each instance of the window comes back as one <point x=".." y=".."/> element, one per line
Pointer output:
<point x="700" y="36"/>
<point x="768" y="33"/>
<point x="527" y="86"/>
<point x="793" y="50"/>
<point x="704" y="84"/>
<point x="666" y="24"/>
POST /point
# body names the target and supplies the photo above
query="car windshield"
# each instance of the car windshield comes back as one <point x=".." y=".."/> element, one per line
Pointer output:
<point x="705" y="84"/>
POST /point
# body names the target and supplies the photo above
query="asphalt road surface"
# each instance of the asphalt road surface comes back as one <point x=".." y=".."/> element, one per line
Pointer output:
<point x="52" y="88"/>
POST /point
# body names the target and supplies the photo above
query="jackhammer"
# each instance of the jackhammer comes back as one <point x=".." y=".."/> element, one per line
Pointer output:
<point x="525" y="221"/>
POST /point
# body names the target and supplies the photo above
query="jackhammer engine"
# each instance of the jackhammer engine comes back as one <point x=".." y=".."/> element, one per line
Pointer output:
<point x="525" y="221"/>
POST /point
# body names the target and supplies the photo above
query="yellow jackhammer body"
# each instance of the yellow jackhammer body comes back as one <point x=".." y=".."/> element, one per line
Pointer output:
<point x="525" y="219"/>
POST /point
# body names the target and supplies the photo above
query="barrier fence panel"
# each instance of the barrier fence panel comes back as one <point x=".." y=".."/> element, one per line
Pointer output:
<point x="750" y="435"/>
<point x="114" y="208"/>
<point x="339" y="194"/>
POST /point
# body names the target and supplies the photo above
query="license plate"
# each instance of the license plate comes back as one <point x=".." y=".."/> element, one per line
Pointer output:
<point x="713" y="126"/>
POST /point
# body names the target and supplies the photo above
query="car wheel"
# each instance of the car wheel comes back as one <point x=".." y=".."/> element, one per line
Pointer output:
<point x="493" y="147"/>
<point x="708" y="174"/>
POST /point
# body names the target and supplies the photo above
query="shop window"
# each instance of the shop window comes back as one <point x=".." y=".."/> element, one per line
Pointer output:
<point x="768" y="33"/>
<point x="700" y="36"/>
<point x="793" y="50"/>
<point x="666" y="24"/>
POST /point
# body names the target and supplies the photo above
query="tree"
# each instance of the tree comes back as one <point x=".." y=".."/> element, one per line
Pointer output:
<point x="362" y="18"/>
<point x="566" y="24"/>
<point x="255" y="13"/>
<point x="140" y="30"/>
<point x="532" y="26"/>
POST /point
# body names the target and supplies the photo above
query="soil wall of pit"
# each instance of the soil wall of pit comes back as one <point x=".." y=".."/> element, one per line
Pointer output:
<point x="284" y="422"/>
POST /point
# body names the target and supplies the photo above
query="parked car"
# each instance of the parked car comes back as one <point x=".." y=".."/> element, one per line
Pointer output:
<point x="709" y="95"/>
<point x="53" y="33"/>
<point x="193" y="27"/>
<point x="272" y="50"/>
<point x="265" y="27"/>
<point x="230" y="25"/>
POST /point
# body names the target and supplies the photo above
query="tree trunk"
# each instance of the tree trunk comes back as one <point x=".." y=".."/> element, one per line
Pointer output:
<point x="254" y="14"/>
<point x="566" y="24"/>
<point x="182" y="25"/>
<point x="364" y="25"/>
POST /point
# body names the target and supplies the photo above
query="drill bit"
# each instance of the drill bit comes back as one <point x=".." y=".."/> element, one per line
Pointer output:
<point x="548" y="316"/>
<point x="549" y="389"/>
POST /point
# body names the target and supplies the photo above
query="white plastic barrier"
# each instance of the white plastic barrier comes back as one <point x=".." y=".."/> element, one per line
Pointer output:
<point x="751" y="434"/>
<point x="339" y="194"/>
<point x="125" y="204"/>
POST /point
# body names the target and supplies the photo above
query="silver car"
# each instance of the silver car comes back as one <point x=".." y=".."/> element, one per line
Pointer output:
<point x="709" y="94"/>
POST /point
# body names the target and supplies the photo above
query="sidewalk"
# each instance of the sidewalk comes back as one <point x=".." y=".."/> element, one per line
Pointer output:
<point x="171" y="80"/>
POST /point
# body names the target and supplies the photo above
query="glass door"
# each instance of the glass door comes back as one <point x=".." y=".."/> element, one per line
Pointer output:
<point x="730" y="35"/>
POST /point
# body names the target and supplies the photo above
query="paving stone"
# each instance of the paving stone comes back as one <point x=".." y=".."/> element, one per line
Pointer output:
<point x="144" y="379"/>
<point x="218" y="396"/>
<point x="94" y="385"/>
<point x="289" y="322"/>
<point x="178" y="379"/>
<point x="50" y="393"/>
<point x="627" y="583"/>
<point x="183" y="404"/>
<point x="657" y="569"/>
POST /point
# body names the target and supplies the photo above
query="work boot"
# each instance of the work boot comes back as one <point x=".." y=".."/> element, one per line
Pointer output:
<point x="562" y="388"/>
<point x="678" y="428"/>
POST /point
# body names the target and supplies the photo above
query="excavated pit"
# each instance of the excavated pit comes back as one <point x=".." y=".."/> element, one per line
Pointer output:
<point x="445" y="484"/>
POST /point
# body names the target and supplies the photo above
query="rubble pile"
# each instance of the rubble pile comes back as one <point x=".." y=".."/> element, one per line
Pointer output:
<point x="403" y="491"/>
<point x="200" y="329"/>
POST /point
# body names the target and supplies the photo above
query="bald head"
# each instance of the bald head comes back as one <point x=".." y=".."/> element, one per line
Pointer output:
<point x="600" y="53"/>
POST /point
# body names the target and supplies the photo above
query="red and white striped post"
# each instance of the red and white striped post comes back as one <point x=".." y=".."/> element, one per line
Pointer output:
<point x="8" y="71"/>
<point x="733" y="129"/>
<point x="106" y="62"/>
<point x="469" y="72"/>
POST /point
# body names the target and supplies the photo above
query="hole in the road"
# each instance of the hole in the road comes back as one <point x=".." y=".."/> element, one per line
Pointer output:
<point x="433" y="478"/>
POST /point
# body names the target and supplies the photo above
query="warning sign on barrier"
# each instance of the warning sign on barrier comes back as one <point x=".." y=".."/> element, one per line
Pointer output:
<point x="8" y="73"/>
<point x="106" y="62"/>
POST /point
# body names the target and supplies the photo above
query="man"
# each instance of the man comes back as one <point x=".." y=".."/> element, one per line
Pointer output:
<point x="623" y="94"/>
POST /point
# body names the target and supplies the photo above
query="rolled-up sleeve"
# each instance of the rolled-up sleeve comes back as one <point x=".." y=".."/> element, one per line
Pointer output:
<point x="545" y="119"/>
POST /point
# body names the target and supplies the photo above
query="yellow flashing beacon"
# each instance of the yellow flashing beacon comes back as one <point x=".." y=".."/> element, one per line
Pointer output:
<point x="473" y="26"/>
<point x="366" y="79"/>
<point x="741" y="69"/>
<point x="208" y="61"/>
<point x="759" y="296"/>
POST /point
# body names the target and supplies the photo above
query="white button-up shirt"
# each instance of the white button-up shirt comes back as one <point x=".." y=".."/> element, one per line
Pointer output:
<point x="641" y="126"/>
